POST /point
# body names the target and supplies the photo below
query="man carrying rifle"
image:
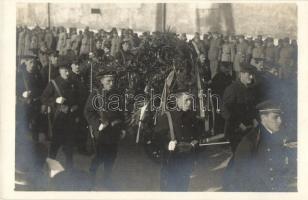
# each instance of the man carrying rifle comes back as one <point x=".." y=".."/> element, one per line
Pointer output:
<point x="177" y="134"/>
<point x="104" y="113"/>
<point x="80" y="124"/>
<point x="62" y="95"/>
<point x="29" y="88"/>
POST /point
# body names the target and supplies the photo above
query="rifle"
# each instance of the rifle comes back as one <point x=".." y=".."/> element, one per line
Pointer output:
<point x="49" y="134"/>
<point x="91" y="76"/>
<point x="200" y="96"/>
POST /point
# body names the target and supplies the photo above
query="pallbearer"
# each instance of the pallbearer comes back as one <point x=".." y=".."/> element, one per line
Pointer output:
<point x="62" y="95"/>
<point x="29" y="88"/>
<point x="177" y="133"/>
<point x="104" y="113"/>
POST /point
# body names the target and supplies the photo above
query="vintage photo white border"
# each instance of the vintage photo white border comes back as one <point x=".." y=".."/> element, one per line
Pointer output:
<point x="7" y="120"/>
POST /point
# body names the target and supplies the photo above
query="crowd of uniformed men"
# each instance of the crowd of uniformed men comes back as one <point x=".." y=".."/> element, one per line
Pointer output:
<point x="61" y="72"/>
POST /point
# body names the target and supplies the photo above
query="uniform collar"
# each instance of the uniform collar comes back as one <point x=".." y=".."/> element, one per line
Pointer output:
<point x="263" y="129"/>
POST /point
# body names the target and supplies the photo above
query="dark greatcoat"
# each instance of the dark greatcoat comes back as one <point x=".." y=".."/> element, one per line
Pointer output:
<point x="259" y="163"/>
<point x="176" y="166"/>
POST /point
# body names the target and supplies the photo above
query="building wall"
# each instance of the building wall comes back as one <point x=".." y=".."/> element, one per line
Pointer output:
<point x="277" y="20"/>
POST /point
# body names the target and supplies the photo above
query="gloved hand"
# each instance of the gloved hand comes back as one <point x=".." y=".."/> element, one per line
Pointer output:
<point x="43" y="109"/>
<point x="26" y="94"/>
<point x="242" y="127"/>
<point x="172" y="145"/>
<point x="194" y="143"/>
<point x="123" y="134"/>
<point x="60" y="100"/>
<point x="102" y="126"/>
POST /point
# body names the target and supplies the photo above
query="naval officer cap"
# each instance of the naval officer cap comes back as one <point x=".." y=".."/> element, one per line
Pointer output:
<point x="246" y="67"/>
<point x="269" y="106"/>
<point x="105" y="73"/>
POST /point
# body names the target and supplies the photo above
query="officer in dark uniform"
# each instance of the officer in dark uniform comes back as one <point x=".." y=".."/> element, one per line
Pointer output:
<point x="177" y="134"/>
<point x="239" y="105"/>
<point x="62" y="95"/>
<point x="260" y="162"/>
<point x="80" y="124"/>
<point x="107" y="122"/>
<point x="51" y="71"/>
<point x="29" y="88"/>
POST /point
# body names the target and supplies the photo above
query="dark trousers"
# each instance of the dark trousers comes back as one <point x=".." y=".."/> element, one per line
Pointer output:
<point x="80" y="134"/>
<point x="175" y="171"/>
<point x="29" y="118"/>
<point x="62" y="137"/>
<point x="106" y="154"/>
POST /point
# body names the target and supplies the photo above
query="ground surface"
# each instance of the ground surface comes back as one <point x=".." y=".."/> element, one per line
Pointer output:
<point x="133" y="169"/>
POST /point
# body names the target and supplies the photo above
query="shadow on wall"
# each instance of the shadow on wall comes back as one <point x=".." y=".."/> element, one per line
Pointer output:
<point x="217" y="18"/>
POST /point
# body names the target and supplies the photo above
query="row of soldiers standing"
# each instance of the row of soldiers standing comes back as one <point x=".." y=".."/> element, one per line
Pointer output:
<point x="233" y="50"/>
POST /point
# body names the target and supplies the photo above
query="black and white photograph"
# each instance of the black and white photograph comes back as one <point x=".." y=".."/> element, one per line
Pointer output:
<point x="163" y="97"/>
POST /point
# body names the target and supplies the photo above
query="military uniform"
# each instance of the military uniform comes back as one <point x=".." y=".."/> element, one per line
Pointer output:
<point x="75" y="43"/>
<point x="205" y="71"/>
<point x="28" y="35"/>
<point x="21" y="43"/>
<point x="115" y="46"/>
<point x="34" y="45"/>
<point x="259" y="163"/>
<point x="227" y="54"/>
<point x="49" y="39"/>
<point x="43" y="57"/>
<point x="63" y="116"/>
<point x="238" y="107"/>
<point x="270" y="51"/>
<point x="28" y="108"/>
<point x="177" y="165"/>
<point x="80" y="124"/>
<point x="206" y="44"/>
<point x="240" y="56"/>
<point x="62" y="43"/>
<point x="86" y="41"/>
<point x="286" y="62"/>
<point x="214" y="55"/>
<point x="258" y="52"/>
<point x="96" y="113"/>
<point x="249" y="49"/>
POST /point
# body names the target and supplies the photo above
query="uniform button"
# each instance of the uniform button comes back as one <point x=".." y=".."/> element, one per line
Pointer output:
<point x="273" y="188"/>
<point x="271" y="169"/>
<point x="268" y="149"/>
<point x="270" y="159"/>
<point x="182" y="126"/>
<point x="182" y="138"/>
<point x="272" y="179"/>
